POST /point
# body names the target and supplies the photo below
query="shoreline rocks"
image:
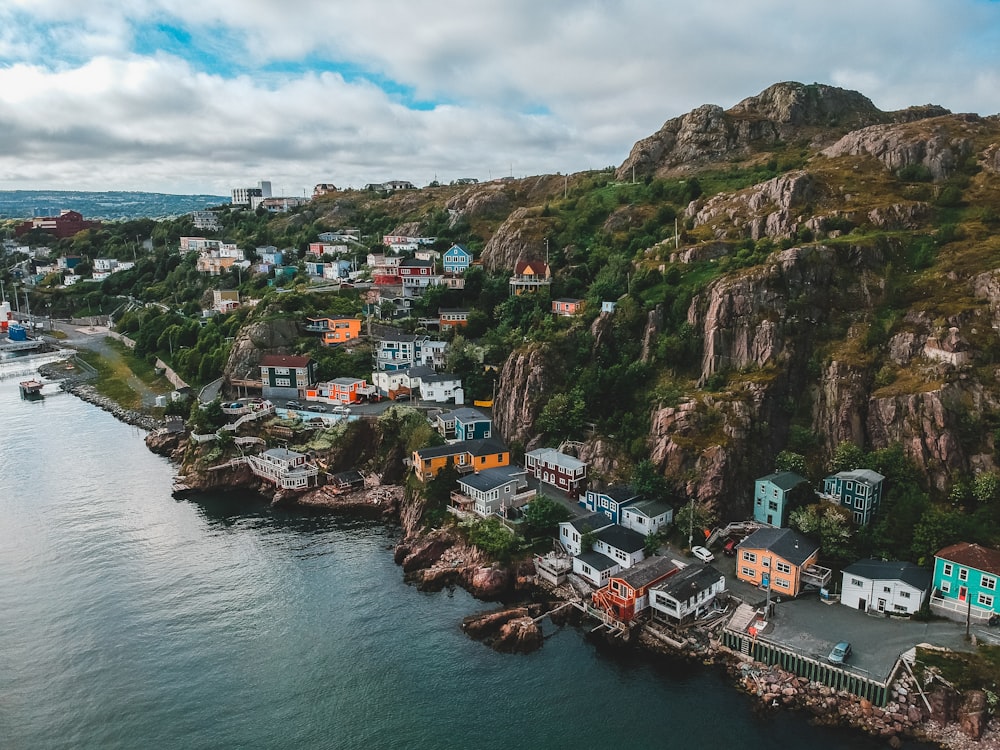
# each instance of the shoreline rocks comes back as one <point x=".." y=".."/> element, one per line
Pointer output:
<point x="90" y="394"/>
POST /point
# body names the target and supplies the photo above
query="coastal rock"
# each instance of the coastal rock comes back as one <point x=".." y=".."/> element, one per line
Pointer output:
<point x="489" y="582"/>
<point x="508" y="630"/>
<point x="169" y="444"/>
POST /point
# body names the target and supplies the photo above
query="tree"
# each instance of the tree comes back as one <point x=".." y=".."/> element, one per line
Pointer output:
<point x="789" y="461"/>
<point x="985" y="486"/>
<point x="828" y="524"/>
<point x="846" y="456"/>
<point x="564" y="415"/>
<point x="648" y="482"/>
<point x="937" y="528"/>
<point x="542" y="515"/>
<point x="437" y="493"/>
<point x="694" y="518"/>
<point x="493" y="538"/>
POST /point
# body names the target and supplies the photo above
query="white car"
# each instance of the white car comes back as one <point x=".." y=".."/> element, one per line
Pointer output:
<point x="702" y="554"/>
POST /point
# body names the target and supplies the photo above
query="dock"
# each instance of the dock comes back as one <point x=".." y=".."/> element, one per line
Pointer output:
<point x="30" y="388"/>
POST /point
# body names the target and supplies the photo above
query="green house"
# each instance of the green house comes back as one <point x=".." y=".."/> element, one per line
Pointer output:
<point x="965" y="582"/>
<point x="774" y="495"/>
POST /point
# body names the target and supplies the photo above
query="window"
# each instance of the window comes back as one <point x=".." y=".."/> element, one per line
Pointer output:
<point x="856" y="582"/>
<point x="904" y="594"/>
<point x="748" y="572"/>
<point x="886" y="589"/>
<point x="945" y="587"/>
<point x="946" y="569"/>
<point x="771" y="505"/>
<point x="963" y="574"/>
<point x="750" y="557"/>
<point x="783" y="567"/>
<point x="984" y="600"/>
<point x="781" y="583"/>
<point x="989" y="582"/>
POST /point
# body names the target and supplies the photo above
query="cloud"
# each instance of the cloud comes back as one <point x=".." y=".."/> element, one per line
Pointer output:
<point x="170" y="94"/>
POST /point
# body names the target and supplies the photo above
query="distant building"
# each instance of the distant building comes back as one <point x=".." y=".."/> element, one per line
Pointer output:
<point x="457" y="259"/>
<point x="243" y="196"/>
<point x="205" y="220"/>
<point x="567" y="306"/>
<point x="323" y="188"/>
<point x="529" y="276"/>
<point x="225" y="300"/>
<point x="66" y="224"/>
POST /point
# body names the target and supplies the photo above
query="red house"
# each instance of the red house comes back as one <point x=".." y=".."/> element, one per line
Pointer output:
<point x="627" y="594"/>
<point x="66" y="224"/>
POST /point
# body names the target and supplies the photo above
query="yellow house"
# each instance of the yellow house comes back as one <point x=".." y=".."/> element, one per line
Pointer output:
<point x="466" y="455"/>
<point x="781" y="560"/>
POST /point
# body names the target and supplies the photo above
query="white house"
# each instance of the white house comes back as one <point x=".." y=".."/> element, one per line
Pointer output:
<point x="647" y="516"/>
<point x="595" y="567"/>
<point x="688" y="593"/>
<point x="442" y="387"/>
<point x="622" y="545"/>
<point x="885" y="586"/>
<point x="571" y="532"/>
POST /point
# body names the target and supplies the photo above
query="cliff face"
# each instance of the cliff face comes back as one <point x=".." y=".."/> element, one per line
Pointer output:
<point x="525" y="380"/>
<point x="254" y="341"/>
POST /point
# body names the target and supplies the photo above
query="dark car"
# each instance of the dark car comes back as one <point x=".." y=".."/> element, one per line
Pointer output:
<point x="293" y="405"/>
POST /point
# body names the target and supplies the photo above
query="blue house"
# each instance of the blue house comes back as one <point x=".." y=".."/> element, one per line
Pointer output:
<point x="457" y="259"/>
<point x="610" y="500"/>
<point x="472" y="424"/>
<point x="965" y="582"/>
<point x="772" y="497"/>
<point x="859" y="491"/>
<point x="273" y="256"/>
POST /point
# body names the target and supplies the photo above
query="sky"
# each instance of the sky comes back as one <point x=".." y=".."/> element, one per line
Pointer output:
<point x="200" y="96"/>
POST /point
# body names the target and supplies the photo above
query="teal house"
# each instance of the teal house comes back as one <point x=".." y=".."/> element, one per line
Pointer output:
<point x="859" y="491"/>
<point x="965" y="582"/>
<point x="457" y="259"/>
<point x="774" y="496"/>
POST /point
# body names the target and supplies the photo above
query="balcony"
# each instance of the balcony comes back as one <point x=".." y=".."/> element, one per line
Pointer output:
<point x="815" y="575"/>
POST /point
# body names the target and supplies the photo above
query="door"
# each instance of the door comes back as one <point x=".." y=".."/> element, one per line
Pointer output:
<point x="862" y="604"/>
<point x="881" y="605"/>
<point x="770" y="520"/>
<point x="962" y="593"/>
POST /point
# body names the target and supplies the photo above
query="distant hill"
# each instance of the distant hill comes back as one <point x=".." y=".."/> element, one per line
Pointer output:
<point x="23" y="204"/>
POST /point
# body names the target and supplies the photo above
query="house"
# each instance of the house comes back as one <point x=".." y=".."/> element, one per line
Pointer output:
<point x="205" y="220"/>
<point x="529" y="276"/>
<point x="283" y="468"/>
<point x="322" y="188"/>
<point x="495" y="490"/>
<point x="859" y="491"/>
<point x="335" y="331"/>
<point x="65" y="225"/>
<point x="285" y="376"/>
<point x="775" y="495"/>
<point x="608" y="307"/>
<point x="890" y="587"/>
<point x="416" y="275"/>
<point x="595" y="567"/>
<point x="572" y="532"/>
<point x="626" y="594"/>
<point x="225" y="300"/>
<point x="464" y="424"/>
<point x="346" y="481"/>
<point x="624" y="546"/>
<point x="451" y="318"/>
<point x="647" y="516"/>
<point x="780" y="560"/>
<point x="341" y="391"/>
<point x="687" y="595"/>
<point x="398" y="351"/>
<point x="965" y="582"/>
<point x="452" y="281"/>
<point x="468" y="455"/>
<point x="562" y="471"/>
<point x="567" y="306"/>
<point x="442" y="387"/>
<point x="272" y="256"/>
<point x="399" y="185"/>
<point x="610" y="500"/>
<point x="396" y="384"/>
<point x="457" y="259"/>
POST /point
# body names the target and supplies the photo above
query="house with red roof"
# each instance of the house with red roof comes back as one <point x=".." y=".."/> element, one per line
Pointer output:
<point x="965" y="582"/>
<point x="286" y="376"/>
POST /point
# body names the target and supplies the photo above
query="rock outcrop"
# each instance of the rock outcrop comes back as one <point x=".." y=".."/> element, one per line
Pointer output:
<point x="254" y="341"/>
<point x="524" y="384"/>
<point x="520" y="237"/>
<point x="508" y="630"/>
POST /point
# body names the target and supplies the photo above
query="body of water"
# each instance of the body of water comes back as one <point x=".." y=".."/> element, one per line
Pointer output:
<point x="129" y="619"/>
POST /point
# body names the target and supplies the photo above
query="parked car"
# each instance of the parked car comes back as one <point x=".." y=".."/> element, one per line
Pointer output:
<point x="316" y="407"/>
<point x="702" y="554"/>
<point x="293" y="404"/>
<point x="341" y="410"/>
<point x="839" y="653"/>
<point x="729" y="548"/>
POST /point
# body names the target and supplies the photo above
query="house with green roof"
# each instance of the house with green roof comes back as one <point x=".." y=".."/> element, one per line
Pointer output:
<point x="775" y="495"/>
<point x="858" y="491"/>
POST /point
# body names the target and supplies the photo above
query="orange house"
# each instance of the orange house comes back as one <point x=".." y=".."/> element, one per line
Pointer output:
<point x="567" y="306"/>
<point x="781" y="560"/>
<point x="341" y="330"/>
<point x="449" y="318"/>
<point x="466" y="455"/>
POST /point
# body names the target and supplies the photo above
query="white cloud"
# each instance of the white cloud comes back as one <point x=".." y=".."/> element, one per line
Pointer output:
<point x="562" y="85"/>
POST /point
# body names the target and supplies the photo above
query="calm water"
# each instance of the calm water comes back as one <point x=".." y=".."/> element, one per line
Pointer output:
<point x="129" y="619"/>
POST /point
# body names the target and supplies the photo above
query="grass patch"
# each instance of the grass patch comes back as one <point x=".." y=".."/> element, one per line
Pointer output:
<point x="966" y="671"/>
<point x="141" y="368"/>
<point x="112" y="379"/>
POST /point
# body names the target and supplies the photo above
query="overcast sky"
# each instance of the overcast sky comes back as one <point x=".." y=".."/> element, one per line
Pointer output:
<point x="199" y="96"/>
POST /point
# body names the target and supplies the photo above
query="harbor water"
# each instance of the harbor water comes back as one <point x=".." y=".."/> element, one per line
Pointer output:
<point x="130" y="619"/>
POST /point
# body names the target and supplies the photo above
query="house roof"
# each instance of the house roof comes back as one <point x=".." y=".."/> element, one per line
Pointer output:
<point x="458" y="248"/>
<point x="972" y="556"/>
<point x="347" y="381"/>
<point x="481" y="447"/>
<point x="597" y="560"/>
<point x="620" y="493"/>
<point x="552" y="456"/>
<point x="348" y="477"/>
<point x="784" y="480"/>
<point x="536" y="267"/>
<point x="860" y="475"/>
<point x="467" y="415"/>
<point x="453" y="310"/>
<point x="644" y="573"/>
<point x="891" y="570"/>
<point x="284" y="360"/>
<point x="590" y="522"/>
<point x="419" y="371"/>
<point x="649" y="508"/>
<point x="689" y="581"/>
<point x="621" y="538"/>
<point x="439" y="377"/>
<point x="787" y="544"/>
<point x="282" y="453"/>
<point x="416" y="263"/>
<point x="490" y="479"/>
